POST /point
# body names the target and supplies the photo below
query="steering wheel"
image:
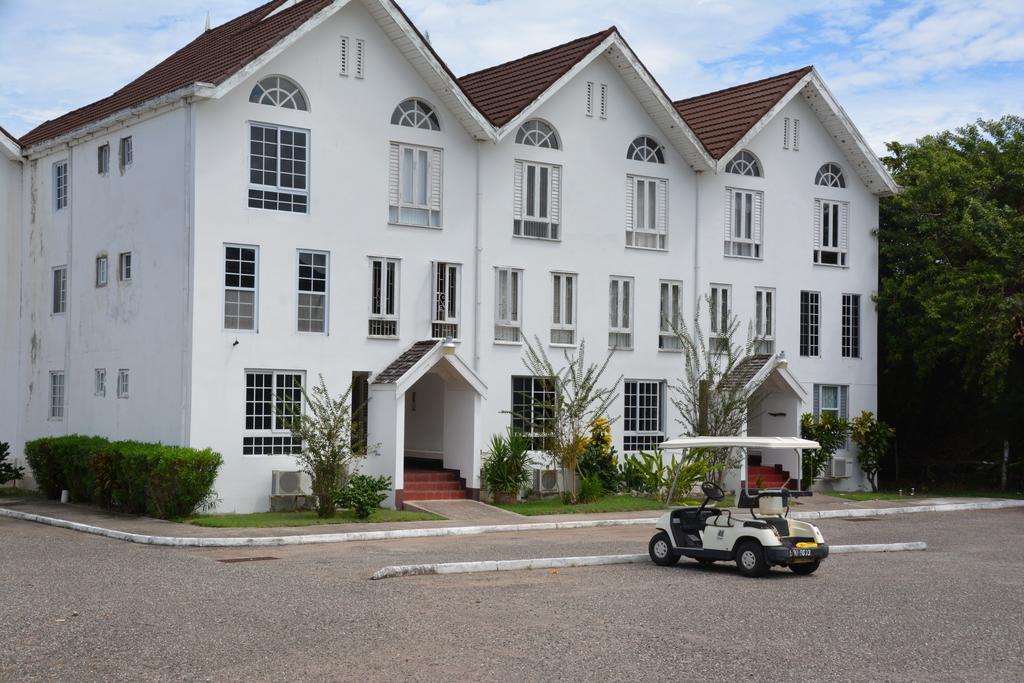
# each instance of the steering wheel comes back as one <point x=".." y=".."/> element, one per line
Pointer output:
<point x="712" y="490"/>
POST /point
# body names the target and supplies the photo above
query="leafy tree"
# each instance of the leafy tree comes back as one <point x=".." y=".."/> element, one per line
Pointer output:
<point x="709" y="403"/>
<point x="872" y="438"/>
<point x="327" y="456"/>
<point x="599" y="459"/>
<point x="577" y="399"/>
<point x="830" y="433"/>
<point x="8" y="471"/>
<point x="951" y="295"/>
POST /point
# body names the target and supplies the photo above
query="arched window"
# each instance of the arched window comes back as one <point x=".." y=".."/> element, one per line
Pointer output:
<point x="538" y="134"/>
<point x="745" y="163"/>
<point x="415" y="114"/>
<point x="278" y="91"/>
<point x="830" y="175"/>
<point x="646" y="149"/>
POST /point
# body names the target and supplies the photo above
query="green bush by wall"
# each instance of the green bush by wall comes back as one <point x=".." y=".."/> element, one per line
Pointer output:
<point x="130" y="476"/>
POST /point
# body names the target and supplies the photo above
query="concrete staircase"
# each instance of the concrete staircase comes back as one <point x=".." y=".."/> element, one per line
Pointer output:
<point x="433" y="483"/>
<point x="771" y="476"/>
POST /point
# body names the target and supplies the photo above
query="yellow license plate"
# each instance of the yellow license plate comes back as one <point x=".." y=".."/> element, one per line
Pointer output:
<point x="806" y="545"/>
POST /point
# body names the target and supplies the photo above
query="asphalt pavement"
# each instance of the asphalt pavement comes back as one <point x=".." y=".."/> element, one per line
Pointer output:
<point x="81" y="607"/>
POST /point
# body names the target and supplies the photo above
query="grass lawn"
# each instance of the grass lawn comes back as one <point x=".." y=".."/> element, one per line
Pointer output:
<point x="304" y="518"/>
<point x="11" y="492"/>
<point x="555" y="506"/>
<point x="892" y="495"/>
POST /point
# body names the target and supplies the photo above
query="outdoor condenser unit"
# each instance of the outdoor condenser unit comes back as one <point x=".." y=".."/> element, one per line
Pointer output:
<point x="290" y="483"/>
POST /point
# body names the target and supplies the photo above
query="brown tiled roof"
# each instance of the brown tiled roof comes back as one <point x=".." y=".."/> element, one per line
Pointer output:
<point x="405" y="361"/>
<point x="719" y="119"/>
<point x="501" y="92"/>
<point x="211" y="58"/>
<point x="744" y="371"/>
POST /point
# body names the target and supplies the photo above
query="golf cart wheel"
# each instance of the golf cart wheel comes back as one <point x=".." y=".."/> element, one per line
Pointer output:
<point x="660" y="549"/>
<point x="750" y="559"/>
<point x="805" y="568"/>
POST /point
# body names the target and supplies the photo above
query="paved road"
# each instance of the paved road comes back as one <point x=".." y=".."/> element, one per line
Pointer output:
<point x="80" y="607"/>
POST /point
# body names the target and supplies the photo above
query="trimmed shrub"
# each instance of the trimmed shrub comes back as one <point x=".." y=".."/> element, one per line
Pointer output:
<point x="591" y="489"/>
<point x="363" y="494"/>
<point x="130" y="476"/>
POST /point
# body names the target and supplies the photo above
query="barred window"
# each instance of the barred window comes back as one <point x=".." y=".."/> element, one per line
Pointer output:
<point x="851" y="326"/>
<point x="643" y="422"/>
<point x="445" y="305"/>
<point x="312" y="310"/>
<point x="278" y="168"/>
<point x="272" y="398"/>
<point x="383" y="297"/>
<point x="239" y="287"/>
<point x="810" y="322"/>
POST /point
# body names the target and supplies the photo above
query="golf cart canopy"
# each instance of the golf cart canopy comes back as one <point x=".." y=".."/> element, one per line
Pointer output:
<point x="764" y="442"/>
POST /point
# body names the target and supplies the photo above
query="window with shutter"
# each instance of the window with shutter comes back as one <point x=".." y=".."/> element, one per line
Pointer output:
<point x="620" y="313"/>
<point x="445" y="304"/>
<point x="743" y="218"/>
<point x="537" y="200"/>
<point x="831" y="225"/>
<point x="384" y="290"/>
<point x="764" y="320"/>
<point x="646" y="212"/>
<point x="563" y="313"/>
<point x="720" y="310"/>
<point x="508" y="303"/>
<point x="415" y="177"/>
<point x="671" y="309"/>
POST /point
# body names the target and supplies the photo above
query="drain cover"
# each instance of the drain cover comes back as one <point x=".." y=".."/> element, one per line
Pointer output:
<point x="232" y="560"/>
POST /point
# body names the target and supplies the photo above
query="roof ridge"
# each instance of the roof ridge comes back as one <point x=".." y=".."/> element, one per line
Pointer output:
<point x="603" y="33"/>
<point x="804" y="69"/>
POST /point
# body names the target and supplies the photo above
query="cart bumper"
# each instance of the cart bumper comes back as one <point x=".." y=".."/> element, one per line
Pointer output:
<point x="785" y="554"/>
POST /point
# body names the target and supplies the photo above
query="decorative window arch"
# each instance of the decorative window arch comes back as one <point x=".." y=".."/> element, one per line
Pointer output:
<point x="830" y="175"/>
<point x="537" y="133"/>
<point x="745" y="163"/>
<point x="645" y="148"/>
<point x="415" y="113"/>
<point x="278" y="91"/>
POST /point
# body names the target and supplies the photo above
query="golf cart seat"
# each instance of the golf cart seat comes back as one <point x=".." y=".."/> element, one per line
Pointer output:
<point x="692" y="519"/>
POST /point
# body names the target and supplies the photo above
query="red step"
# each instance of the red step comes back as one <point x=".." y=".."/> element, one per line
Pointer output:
<point x="433" y="486"/>
<point x="426" y="475"/>
<point x="434" y="495"/>
<point x="429" y="484"/>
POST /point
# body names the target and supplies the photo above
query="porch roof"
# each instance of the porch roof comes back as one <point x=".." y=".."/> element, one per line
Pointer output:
<point x="405" y="362"/>
<point x="420" y="358"/>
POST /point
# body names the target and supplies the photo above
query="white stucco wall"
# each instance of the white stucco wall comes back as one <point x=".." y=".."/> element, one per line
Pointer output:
<point x="10" y="288"/>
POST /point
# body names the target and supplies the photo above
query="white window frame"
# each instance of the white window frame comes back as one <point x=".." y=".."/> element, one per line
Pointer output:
<point x="379" y="320"/>
<point x="646" y="225"/>
<point x="841" y="408"/>
<point x="59" y="283"/>
<point x="810" y="329"/>
<point x="103" y="159"/>
<point x="642" y="423"/>
<point x="720" y="313"/>
<point x="445" y="314"/>
<point x="565" y="297"/>
<point x="621" y="298"/>
<point x="299" y="291"/>
<point x="61" y="185"/>
<point x="670" y="314"/>
<point x="125" y="153"/>
<point x="124" y="266"/>
<point x="102" y="270"/>
<point x="831" y="235"/>
<point x="58" y="395"/>
<point x="99" y="381"/>
<point x="850" y="322"/>
<point x="744" y="238"/>
<point x="508" y="305"/>
<point x="260" y="203"/>
<point x="277" y="439"/>
<point x="528" y="404"/>
<point x="765" y="316"/>
<point x="403" y="176"/>
<point x="527" y="219"/>
<point x="255" y="289"/>
<point x="123" y="383"/>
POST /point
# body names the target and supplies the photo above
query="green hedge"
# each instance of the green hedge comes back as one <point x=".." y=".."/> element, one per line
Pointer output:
<point x="130" y="476"/>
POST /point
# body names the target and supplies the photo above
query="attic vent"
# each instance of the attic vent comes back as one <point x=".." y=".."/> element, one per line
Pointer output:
<point x="590" y="98"/>
<point x="791" y="134"/>
<point x="796" y="135"/>
<point x="343" y="69"/>
<point x="604" y="100"/>
<point x="360" y="57"/>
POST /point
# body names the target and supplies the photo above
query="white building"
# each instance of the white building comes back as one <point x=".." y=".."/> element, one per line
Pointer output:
<point x="309" y="190"/>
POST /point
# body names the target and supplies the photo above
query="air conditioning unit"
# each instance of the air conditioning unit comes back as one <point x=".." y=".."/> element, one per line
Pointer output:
<point x="838" y="468"/>
<point x="545" y="481"/>
<point x="290" y="483"/>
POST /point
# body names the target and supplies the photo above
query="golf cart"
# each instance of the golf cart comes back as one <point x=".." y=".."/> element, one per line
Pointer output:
<point x="755" y="542"/>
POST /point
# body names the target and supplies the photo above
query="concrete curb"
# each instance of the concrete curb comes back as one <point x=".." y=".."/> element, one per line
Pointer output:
<point x="397" y="571"/>
<point x="395" y="534"/>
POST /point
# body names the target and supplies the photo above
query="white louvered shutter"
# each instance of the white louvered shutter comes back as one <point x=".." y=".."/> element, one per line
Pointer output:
<point x="817" y="399"/>
<point x="728" y="218"/>
<point x="817" y="225"/>
<point x="758" y="207"/>
<point x="517" y="192"/>
<point x="393" y="177"/>
<point x="844" y="395"/>
<point x="344" y="56"/>
<point x="796" y="135"/>
<point x="436" y="179"/>
<point x="844" y="225"/>
<point x="556" y="195"/>
<point x="630" y="204"/>
<point x="662" y="215"/>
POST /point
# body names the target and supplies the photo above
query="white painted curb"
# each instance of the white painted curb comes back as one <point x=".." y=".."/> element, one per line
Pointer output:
<point x="396" y="571"/>
<point x="395" y="534"/>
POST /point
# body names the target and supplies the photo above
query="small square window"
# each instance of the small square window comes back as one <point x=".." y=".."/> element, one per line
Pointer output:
<point x="124" y="266"/>
<point x="127" y="154"/>
<point x="101" y="271"/>
<point x="100" y="382"/>
<point x="103" y="159"/>
<point x="122" y="383"/>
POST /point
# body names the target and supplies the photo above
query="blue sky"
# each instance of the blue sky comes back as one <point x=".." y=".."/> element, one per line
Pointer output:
<point x="901" y="69"/>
